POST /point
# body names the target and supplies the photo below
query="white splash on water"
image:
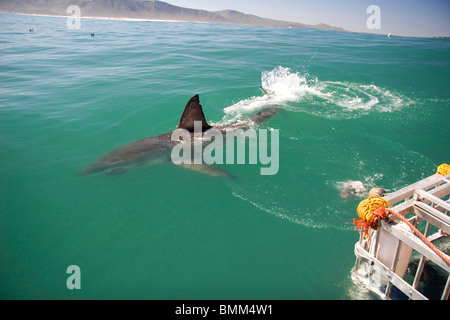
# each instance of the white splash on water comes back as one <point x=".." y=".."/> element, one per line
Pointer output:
<point x="330" y="99"/>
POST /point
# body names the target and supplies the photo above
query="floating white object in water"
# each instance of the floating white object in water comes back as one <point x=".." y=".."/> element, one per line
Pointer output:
<point x="352" y="188"/>
<point x="389" y="35"/>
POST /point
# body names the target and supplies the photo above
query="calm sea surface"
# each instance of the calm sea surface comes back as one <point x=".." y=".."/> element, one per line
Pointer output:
<point x="354" y="107"/>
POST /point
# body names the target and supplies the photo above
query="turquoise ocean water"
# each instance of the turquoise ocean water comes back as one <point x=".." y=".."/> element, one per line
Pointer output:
<point x="354" y="107"/>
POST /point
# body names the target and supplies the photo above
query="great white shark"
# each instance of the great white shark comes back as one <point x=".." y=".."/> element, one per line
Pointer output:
<point x="158" y="149"/>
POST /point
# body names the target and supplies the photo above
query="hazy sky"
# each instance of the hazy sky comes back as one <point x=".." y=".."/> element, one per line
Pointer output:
<point x="401" y="17"/>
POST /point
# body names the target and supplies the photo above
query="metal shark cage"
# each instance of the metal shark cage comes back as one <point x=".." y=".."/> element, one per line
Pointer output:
<point x="393" y="262"/>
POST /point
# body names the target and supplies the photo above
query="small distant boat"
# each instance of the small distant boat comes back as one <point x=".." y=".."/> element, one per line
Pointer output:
<point x="389" y="35"/>
<point x="92" y="33"/>
<point x="31" y="29"/>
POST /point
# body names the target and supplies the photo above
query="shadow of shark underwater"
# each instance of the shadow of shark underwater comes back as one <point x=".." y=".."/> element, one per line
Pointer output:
<point x="158" y="149"/>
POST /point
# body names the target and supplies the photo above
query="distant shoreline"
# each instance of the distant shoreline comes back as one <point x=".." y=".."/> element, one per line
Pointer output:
<point x="138" y="10"/>
<point x="104" y="18"/>
<point x="203" y="22"/>
<point x="158" y="20"/>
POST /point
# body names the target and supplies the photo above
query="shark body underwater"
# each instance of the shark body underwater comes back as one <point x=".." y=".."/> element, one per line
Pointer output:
<point x="158" y="148"/>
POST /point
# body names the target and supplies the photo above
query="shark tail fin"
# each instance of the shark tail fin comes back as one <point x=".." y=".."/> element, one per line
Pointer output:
<point x="193" y="112"/>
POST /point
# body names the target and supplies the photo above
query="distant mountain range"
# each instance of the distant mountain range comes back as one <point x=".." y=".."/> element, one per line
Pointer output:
<point x="152" y="10"/>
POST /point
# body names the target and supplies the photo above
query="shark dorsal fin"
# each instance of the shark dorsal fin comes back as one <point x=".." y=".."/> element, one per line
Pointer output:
<point x="193" y="112"/>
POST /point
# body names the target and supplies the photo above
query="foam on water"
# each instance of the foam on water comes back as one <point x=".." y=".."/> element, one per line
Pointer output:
<point x="329" y="99"/>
